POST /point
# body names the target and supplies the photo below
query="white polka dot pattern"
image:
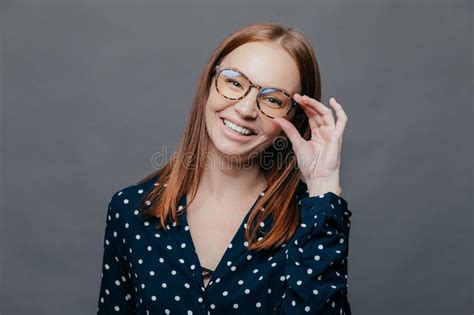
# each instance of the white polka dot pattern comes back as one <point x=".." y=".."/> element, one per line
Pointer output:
<point x="147" y="270"/>
<point x="316" y="261"/>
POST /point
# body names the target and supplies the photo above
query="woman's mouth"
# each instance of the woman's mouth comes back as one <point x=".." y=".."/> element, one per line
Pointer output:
<point x="236" y="129"/>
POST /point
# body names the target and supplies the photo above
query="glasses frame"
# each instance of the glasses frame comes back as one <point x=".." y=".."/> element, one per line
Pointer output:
<point x="218" y="69"/>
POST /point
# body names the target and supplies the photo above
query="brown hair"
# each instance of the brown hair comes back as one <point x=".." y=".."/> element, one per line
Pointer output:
<point x="176" y="177"/>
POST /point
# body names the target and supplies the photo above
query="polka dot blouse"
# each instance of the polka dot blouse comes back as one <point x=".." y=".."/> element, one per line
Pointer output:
<point x="151" y="271"/>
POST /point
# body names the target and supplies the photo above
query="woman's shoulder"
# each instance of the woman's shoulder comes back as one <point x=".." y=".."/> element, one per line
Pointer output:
<point x="127" y="199"/>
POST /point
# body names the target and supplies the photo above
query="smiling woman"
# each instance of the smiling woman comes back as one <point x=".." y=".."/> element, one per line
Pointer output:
<point x="267" y="231"/>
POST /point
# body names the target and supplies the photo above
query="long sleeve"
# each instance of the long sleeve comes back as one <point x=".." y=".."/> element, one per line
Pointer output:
<point x="316" y="256"/>
<point x="116" y="294"/>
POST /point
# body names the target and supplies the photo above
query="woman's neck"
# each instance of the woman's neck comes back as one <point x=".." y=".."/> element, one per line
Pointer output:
<point x="223" y="183"/>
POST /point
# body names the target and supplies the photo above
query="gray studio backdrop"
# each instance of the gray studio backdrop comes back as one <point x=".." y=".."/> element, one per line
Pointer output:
<point x="92" y="90"/>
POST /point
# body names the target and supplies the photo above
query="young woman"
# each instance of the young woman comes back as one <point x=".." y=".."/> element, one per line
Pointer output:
<point x="247" y="217"/>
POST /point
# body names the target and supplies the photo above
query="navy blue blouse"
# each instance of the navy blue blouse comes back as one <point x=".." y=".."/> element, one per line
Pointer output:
<point x="151" y="271"/>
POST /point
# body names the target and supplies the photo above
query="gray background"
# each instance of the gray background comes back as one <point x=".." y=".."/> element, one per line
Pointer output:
<point x="91" y="90"/>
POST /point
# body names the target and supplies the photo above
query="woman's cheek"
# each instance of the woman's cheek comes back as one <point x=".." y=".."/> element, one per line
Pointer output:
<point x="272" y="129"/>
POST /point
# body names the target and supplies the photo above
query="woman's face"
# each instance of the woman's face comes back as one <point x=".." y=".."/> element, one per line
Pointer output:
<point x="267" y="65"/>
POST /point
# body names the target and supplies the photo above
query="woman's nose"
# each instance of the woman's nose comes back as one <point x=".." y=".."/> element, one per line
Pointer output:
<point x="247" y="107"/>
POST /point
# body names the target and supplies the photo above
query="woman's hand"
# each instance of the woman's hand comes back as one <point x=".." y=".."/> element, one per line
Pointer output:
<point x="319" y="158"/>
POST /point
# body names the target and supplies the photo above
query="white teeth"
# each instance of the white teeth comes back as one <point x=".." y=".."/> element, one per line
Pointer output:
<point x="234" y="127"/>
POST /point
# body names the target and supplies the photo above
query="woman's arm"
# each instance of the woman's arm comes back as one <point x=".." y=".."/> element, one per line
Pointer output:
<point x="116" y="294"/>
<point x="316" y="269"/>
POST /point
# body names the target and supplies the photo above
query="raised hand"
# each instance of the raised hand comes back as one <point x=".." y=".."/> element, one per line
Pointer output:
<point x="319" y="158"/>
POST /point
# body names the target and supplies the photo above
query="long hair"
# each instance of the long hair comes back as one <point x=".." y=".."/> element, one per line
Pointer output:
<point x="181" y="173"/>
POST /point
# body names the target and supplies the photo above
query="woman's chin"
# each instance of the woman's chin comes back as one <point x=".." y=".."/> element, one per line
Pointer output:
<point x="231" y="149"/>
<point x="233" y="152"/>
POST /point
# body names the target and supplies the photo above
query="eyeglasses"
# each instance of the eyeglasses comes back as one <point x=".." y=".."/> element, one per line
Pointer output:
<point x="234" y="85"/>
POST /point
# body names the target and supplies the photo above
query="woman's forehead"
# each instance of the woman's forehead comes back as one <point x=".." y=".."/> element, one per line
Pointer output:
<point x="266" y="64"/>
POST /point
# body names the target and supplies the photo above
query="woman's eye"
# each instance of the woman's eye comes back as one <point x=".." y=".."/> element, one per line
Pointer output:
<point x="235" y="83"/>
<point x="274" y="100"/>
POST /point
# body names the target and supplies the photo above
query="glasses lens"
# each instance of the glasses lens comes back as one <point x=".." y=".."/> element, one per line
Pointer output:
<point x="232" y="84"/>
<point x="274" y="103"/>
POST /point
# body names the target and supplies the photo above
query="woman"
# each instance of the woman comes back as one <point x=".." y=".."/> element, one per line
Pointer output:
<point x="247" y="217"/>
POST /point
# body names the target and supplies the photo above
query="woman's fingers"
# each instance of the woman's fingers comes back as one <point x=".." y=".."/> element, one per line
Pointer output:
<point x="319" y="115"/>
<point x="291" y="132"/>
<point x="340" y="115"/>
<point x="314" y="121"/>
<point x="325" y="114"/>
<point x="314" y="118"/>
